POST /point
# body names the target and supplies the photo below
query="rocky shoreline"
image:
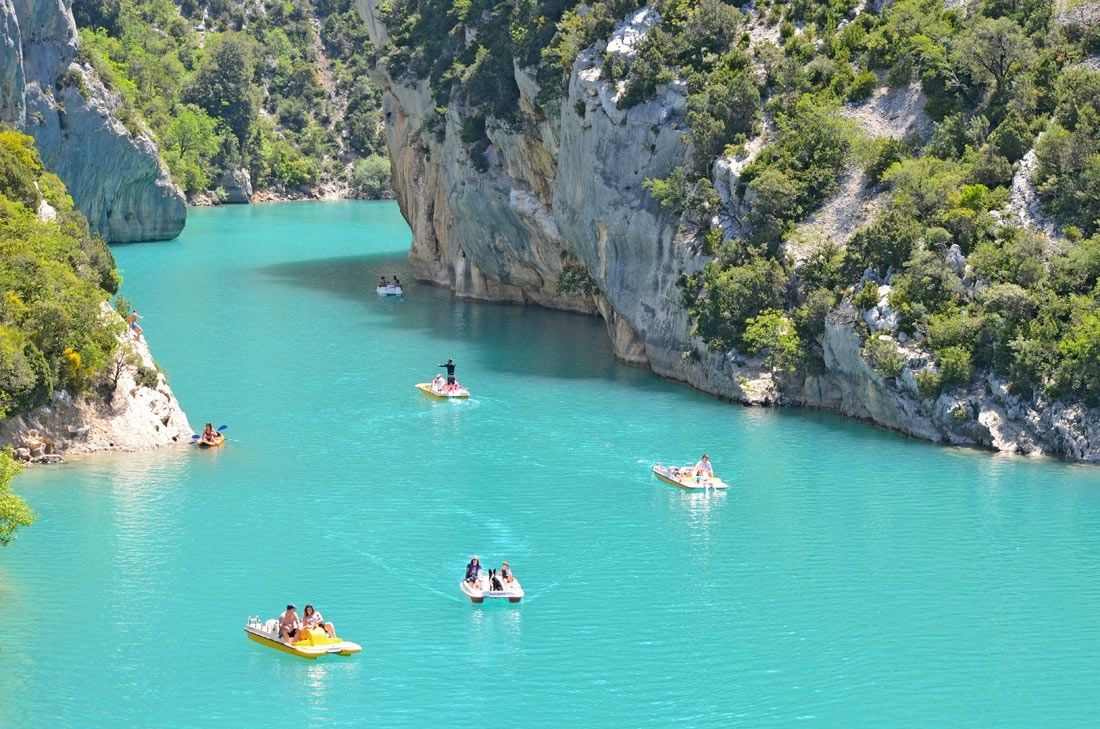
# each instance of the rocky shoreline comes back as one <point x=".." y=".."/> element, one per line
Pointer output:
<point x="139" y="413"/>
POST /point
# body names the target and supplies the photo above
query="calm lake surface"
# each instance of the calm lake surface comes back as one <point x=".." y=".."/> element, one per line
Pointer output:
<point x="851" y="577"/>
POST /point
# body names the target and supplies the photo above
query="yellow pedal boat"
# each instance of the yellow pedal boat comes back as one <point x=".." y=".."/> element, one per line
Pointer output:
<point x="312" y="643"/>
<point x="685" y="478"/>
<point x="219" y="440"/>
<point x="457" y="394"/>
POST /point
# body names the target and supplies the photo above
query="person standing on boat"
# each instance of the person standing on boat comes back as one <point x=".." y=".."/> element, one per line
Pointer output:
<point x="450" y="366"/>
<point x="289" y="625"/>
<point x="473" y="570"/>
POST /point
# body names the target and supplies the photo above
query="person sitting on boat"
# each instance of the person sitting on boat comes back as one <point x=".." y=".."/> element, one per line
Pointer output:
<point x="396" y="281"/>
<point x="289" y="625"/>
<point x="506" y="574"/>
<point x="437" y="383"/>
<point x="382" y="282"/>
<point x="209" y="435"/>
<point x="450" y="367"/>
<point x="703" y="467"/>
<point x="473" y="571"/>
<point x="313" y="619"/>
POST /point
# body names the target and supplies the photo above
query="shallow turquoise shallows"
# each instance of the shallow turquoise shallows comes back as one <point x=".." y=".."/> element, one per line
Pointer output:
<point x="849" y="578"/>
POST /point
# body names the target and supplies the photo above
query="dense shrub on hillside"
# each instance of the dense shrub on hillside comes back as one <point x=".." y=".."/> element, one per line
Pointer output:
<point x="246" y="92"/>
<point x="54" y="277"/>
<point x="14" y="512"/>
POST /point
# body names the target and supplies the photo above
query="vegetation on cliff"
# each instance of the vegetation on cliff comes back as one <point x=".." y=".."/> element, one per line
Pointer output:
<point x="968" y="279"/>
<point x="54" y="277"/>
<point x="14" y="512"/>
<point x="278" y="88"/>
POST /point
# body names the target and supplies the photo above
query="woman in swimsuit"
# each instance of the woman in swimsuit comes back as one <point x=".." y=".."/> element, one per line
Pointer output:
<point x="313" y="619"/>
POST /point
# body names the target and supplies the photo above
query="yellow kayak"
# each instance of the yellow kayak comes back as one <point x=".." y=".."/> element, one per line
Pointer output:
<point x="312" y="643"/>
<point x="218" y="440"/>
<point x="456" y="394"/>
<point x="685" y="478"/>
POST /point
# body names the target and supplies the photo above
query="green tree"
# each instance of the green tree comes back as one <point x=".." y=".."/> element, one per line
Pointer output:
<point x="772" y="333"/>
<point x="224" y="85"/>
<point x="14" y="512"/>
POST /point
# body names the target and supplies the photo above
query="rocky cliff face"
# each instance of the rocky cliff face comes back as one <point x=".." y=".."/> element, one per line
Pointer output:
<point x="133" y="416"/>
<point x="114" y="177"/>
<point x="566" y="191"/>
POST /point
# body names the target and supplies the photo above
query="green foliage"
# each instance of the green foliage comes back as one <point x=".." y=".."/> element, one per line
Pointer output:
<point x="883" y="356"/>
<point x="956" y="367"/>
<point x="867" y="296"/>
<point x="54" y="277"/>
<point x="202" y="96"/>
<point x="14" y="512"/>
<point x="731" y="295"/>
<point x="371" y="178"/>
<point x="574" y="278"/>
<point x="772" y="333"/>
<point x="862" y="86"/>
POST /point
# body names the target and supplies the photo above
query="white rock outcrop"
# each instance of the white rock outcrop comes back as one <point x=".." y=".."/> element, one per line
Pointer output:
<point x="132" y="417"/>
<point x="114" y="177"/>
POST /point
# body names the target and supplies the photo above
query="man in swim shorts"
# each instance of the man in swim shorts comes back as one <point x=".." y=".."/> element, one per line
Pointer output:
<point x="289" y="625"/>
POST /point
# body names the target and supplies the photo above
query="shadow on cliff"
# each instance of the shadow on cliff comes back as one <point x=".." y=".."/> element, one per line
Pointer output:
<point x="527" y="340"/>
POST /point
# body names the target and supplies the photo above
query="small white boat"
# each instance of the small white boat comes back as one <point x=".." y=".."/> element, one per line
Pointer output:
<point x="512" y="591"/>
<point x="390" y="290"/>
<point x="685" y="478"/>
<point x="312" y="643"/>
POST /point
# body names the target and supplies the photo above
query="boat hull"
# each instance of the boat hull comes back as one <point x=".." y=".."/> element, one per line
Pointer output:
<point x="479" y="593"/>
<point x="426" y="388"/>
<point x="389" y="290"/>
<point x="304" y="649"/>
<point x="688" y="482"/>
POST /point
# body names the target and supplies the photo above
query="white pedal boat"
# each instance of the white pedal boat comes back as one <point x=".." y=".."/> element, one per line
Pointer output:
<point x="312" y="643"/>
<point x="480" y="591"/>
<point x="390" y="290"/>
<point x="685" y="478"/>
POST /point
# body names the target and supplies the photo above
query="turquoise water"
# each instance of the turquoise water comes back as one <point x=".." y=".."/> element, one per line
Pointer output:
<point x="850" y="577"/>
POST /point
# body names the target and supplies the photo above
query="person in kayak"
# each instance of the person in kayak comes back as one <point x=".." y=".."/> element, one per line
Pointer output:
<point x="209" y="435"/>
<point x="450" y="366"/>
<point x="289" y="625"/>
<point x="313" y="619"/>
<point x="703" y="467"/>
<point x="473" y="570"/>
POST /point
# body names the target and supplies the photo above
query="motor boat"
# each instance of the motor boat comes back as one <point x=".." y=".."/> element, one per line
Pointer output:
<point x="312" y="643"/>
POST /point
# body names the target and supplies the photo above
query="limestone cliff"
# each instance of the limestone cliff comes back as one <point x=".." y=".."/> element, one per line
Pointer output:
<point x="560" y="196"/>
<point x="115" y="177"/>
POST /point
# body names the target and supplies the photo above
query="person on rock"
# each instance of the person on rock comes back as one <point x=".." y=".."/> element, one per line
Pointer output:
<point x="131" y="322"/>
